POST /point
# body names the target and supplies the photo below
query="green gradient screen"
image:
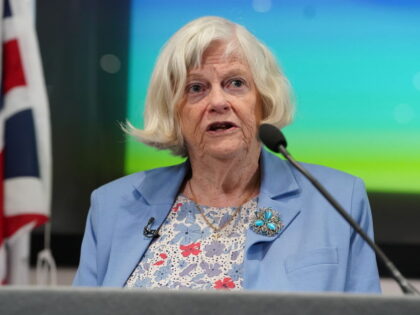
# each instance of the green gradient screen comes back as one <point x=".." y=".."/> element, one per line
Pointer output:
<point x="354" y="67"/>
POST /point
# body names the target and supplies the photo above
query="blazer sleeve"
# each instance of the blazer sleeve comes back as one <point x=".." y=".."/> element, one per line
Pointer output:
<point x="362" y="272"/>
<point x="87" y="274"/>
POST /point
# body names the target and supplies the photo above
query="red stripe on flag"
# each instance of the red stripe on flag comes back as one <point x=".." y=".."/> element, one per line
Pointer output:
<point x="13" y="74"/>
<point x="16" y="222"/>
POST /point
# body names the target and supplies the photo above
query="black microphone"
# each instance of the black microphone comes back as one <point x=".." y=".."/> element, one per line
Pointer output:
<point x="274" y="139"/>
<point x="148" y="231"/>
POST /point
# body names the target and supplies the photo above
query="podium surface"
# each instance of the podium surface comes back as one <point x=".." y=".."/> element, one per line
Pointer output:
<point x="74" y="301"/>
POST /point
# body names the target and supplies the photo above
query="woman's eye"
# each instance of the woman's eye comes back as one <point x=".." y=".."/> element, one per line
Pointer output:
<point x="236" y="83"/>
<point x="195" y="88"/>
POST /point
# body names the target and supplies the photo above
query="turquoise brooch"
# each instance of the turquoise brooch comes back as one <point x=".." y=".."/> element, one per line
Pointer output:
<point x="266" y="222"/>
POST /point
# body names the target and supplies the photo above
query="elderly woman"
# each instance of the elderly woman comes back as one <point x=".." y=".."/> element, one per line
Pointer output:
<point x="233" y="216"/>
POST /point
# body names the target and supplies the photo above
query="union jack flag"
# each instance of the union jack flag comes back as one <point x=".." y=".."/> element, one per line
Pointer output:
<point x="25" y="152"/>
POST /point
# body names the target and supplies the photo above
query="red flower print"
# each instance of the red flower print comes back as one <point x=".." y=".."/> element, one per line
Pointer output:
<point x="161" y="262"/>
<point x="191" y="249"/>
<point x="176" y="207"/>
<point x="226" y="283"/>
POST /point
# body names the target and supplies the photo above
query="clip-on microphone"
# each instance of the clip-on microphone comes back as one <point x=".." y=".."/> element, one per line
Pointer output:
<point x="148" y="231"/>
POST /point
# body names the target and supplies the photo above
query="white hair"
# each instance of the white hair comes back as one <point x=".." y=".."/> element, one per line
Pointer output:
<point x="183" y="52"/>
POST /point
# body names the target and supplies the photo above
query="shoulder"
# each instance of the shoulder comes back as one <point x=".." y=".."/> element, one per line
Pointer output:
<point x="135" y="181"/>
<point x="347" y="189"/>
<point x="132" y="191"/>
<point x="337" y="181"/>
<point x="329" y="175"/>
<point x="350" y="190"/>
<point x="325" y="175"/>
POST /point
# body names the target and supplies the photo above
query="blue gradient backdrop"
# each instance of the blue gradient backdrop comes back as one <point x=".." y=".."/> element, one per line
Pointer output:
<point x="354" y="67"/>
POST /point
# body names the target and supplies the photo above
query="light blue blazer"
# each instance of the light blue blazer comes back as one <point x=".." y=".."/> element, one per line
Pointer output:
<point x="315" y="251"/>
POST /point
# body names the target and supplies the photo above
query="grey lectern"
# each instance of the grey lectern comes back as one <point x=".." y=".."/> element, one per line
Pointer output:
<point x="74" y="301"/>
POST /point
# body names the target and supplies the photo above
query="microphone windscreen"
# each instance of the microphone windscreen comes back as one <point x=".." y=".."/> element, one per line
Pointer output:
<point x="272" y="137"/>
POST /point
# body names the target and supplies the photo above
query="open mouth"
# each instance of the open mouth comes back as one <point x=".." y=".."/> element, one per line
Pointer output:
<point x="221" y="126"/>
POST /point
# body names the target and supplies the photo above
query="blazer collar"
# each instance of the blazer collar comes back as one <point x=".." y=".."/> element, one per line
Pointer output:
<point x="277" y="178"/>
<point x="161" y="186"/>
<point x="277" y="183"/>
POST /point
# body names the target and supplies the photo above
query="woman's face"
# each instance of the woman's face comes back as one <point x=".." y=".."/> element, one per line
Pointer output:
<point x="221" y="110"/>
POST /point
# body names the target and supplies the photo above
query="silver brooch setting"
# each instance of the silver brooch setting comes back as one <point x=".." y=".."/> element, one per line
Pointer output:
<point x="266" y="222"/>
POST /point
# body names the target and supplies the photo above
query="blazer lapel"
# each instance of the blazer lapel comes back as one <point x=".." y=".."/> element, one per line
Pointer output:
<point x="278" y="187"/>
<point x="278" y="191"/>
<point x="129" y="243"/>
<point x="287" y="216"/>
<point x="154" y="198"/>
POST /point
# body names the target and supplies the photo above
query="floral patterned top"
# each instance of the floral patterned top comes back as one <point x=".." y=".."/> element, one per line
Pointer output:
<point x="189" y="254"/>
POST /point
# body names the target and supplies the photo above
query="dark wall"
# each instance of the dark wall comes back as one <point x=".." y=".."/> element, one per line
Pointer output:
<point x="86" y="102"/>
<point x="396" y="220"/>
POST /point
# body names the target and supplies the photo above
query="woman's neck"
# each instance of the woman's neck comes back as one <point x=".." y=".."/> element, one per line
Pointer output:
<point x="224" y="182"/>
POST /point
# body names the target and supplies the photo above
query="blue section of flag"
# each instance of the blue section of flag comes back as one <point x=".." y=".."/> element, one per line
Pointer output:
<point x="1" y="100"/>
<point x="21" y="158"/>
<point x="7" y="12"/>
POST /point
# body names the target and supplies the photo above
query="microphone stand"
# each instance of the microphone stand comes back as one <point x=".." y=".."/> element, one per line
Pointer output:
<point x="404" y="284"/>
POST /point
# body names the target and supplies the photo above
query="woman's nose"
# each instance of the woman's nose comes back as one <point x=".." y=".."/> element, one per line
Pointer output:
<point x="218" y="101"/>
